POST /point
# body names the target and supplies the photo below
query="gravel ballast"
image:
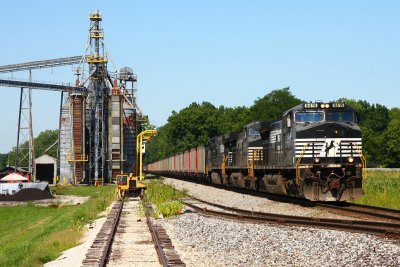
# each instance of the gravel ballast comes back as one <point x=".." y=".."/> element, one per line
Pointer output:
<point x="209" y="241"/>
<point x="248" y="202"/>
<point x="205" y="241"/>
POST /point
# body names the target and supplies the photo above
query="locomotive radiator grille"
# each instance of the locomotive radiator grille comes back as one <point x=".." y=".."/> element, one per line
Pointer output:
<point x="255" y="153"/>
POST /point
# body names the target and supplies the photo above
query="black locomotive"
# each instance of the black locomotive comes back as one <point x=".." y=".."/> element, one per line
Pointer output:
<point x="314" y="151"/>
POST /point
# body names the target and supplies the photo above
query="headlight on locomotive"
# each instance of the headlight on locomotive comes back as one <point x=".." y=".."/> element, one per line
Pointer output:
<point x="350" y="159"/>
<point x="317" y="160"/>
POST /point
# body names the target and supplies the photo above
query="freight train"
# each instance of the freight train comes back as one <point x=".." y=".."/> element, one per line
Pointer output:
<point x="314" y="151"/>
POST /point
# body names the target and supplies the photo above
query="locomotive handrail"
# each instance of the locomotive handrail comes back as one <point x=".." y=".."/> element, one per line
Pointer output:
<point x="250" y="165"/>
<point x="223" y="165"/>
<point x="250" y="168"/>
<point x="303" y="150"/>
<point x="363" y="161"/>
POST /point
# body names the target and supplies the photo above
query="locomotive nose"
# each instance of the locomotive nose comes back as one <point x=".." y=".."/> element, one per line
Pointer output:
<point x="336" y="130"/>
<point x="339" y="130"/>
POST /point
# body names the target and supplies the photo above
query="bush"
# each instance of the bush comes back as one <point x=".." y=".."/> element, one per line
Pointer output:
<point x="164" y="197"/>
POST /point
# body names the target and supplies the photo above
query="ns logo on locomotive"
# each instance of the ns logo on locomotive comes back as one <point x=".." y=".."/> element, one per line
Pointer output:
<point x="313" y="151"/>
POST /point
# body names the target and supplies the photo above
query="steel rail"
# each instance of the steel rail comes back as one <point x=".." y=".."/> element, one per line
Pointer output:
<point x="375" y="208"/>
<point x="258" y="213"/>
<point x="100" y="249"/>
<point x="110" y="240"/>
<point x="387" y="229"/>
<point x="165" y="250"/>
<point x="156" y="240"/>
<point x="378" y="212"/>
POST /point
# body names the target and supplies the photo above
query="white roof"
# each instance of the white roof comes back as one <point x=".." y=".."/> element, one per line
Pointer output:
<point x="14" y="177"/>
<point x="45" y="159"/>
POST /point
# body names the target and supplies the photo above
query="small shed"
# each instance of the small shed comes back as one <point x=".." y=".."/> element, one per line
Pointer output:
<point x="46" y="169"/>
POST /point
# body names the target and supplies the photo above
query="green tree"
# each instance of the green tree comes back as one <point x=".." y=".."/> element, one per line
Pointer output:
<point x="3" y="160"/>
<point x="371" y="116"/>
<point x="372" y="147"/>
<point x="146" y="125"/>
<point x="233" y="119"/>
<point x="197" y="123"/>
<point x="373" y="120"/>
<point x="42" y="142"/>
<point x="392" y="140"/>
<point x="193" y="126"/>
<point x="23" y="160"/>
<point x="375" y="116"/>
<point x="46" y="140"/>
<point x="190" y="127"/>
<point x="272" y="105"/>
<point x="159" y="146"/>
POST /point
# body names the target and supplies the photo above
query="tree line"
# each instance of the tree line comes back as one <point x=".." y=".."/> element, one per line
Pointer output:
<point x="41" y="143"/>
<point x="196" y="124"/>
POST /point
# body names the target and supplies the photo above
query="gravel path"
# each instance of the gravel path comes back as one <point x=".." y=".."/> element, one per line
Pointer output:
<point x="207" y="241"/>
<point x="247" y="202"/>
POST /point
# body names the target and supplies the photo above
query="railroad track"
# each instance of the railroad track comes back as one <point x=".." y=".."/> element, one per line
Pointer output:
<point x="371" y="211"/>
<point x="391" y="230"/>
<point x="345" y="207"/>
<point x="102" y="249"/>
<point x="99" y="251"/>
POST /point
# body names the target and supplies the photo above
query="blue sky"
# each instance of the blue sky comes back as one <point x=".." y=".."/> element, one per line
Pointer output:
<point x="225" y="52"/>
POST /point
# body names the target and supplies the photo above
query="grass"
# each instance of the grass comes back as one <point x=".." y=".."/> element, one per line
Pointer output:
<point x="32" y="235"/>
<point x="381" y="188"/>
<point x="164" y="197"/>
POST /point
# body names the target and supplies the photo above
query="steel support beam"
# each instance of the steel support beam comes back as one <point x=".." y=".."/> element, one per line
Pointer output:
<point x="41" y="64"/>
<point x="43" y="86"/>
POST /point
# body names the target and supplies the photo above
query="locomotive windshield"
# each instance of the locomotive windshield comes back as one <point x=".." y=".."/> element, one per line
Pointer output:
<point x="340" y="116"/>
<point x="309" y="116"/>
<point x="253" y="132"/>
